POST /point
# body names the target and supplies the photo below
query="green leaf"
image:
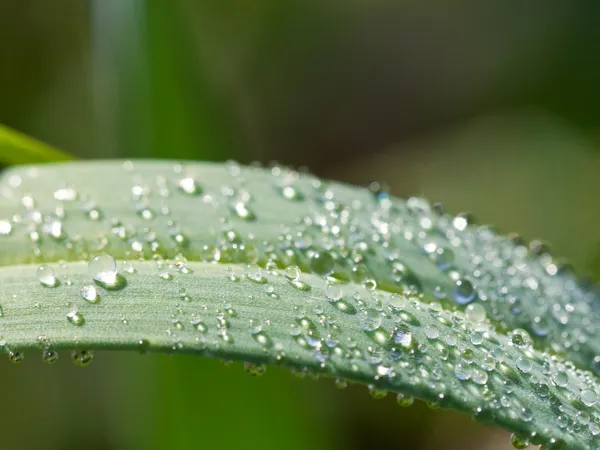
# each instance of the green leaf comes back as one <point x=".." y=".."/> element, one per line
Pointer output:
<point x="272" y="267"/>
<point x="17" y="148"/>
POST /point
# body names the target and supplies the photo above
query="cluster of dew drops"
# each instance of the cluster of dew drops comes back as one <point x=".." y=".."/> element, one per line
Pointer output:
<point x="415" y="329"/>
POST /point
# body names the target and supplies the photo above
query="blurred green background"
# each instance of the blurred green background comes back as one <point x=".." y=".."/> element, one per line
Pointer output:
<point x="492" y="107"/>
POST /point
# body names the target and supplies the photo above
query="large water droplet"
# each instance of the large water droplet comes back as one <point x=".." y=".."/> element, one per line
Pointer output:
<point x="46" y="276"/>
<point x="464" y="292"/>
<point x="370" y="319"/>
<point x="103" y="269"/>
<point x="322" y="262"/>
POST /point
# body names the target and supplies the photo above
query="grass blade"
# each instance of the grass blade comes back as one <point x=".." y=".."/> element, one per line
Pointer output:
<point x="342" y="282"/>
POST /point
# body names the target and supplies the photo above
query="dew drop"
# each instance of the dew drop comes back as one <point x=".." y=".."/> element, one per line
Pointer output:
<point x="560" y="378"/>
<point x="475" y="313"/>
<point x="464" y="292"/>
<point x="256" y="370"/>
<point x="292" y="273"/>
<point x="398" y="302"/>
<point x="520" y="338"/>
<point x="46" y="276"/>
<point x="241" y="210"/>
<point x="321" y="263"/>
<point x="49" y="356"/>
<point x="519" y="442"/>
<point x="89" y="293"/>
<point x="16" y="357"/>
<point x="334" y="292"/>
<point x="189" y="185"/>
<point x="431" y="332"/>
<point x="103" y="269"/>
<point x="377" y="393"/>
<point x="404" y="400"/>
<point x="401" y="335"/>
<point x="524" y="364"/>
<point x="83" y="357"/>
<point x="370" y="319"/>
<point x="588" y="397"/>
<point x="75" y="318"/>
<point x="5" y="227"/>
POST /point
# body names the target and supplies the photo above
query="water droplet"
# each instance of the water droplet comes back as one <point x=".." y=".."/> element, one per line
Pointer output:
<point x="520" y="338"/>
<point x="475" y="313"/>
<point x="103" y="269"/>
<point x="189" y="186"/>
<point x="524" y="364"/>
<point x="464" y="292"/>
<point x="398" y="302"/>
<point x="334" y="292"/>
<point x="321" y="263"/>
<point x="290" y="193"/>
<point x="16" y="357"/>
<point x="76" y="318"/>
<point x="370" y="319"/>
<point x="253" y="369"/>
<point x="431" y="332"/>
<point x="588" y="397"/>
<point x="404" y="400"/>
<point x="5" y="227"/>
<point x="49" y="356"/>
<point x="255" y="274"/>
<point x="377" y="393"/>
<point x="83" y="357"/>
<point x="401" y="335"/>
<point x="519" y="442"/>
<point x="90" y="293"/>
<point x="292" y="273"/>
<point x="46" y="276"/>
<point x="560" y="378"/>
<point x="241" y="210"/>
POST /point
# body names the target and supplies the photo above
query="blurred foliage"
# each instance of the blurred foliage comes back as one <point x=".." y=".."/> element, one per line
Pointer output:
<point x="17" y="148"/>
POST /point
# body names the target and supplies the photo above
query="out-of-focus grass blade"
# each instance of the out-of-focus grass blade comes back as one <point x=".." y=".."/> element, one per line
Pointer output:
<point x="18" y="148"/>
